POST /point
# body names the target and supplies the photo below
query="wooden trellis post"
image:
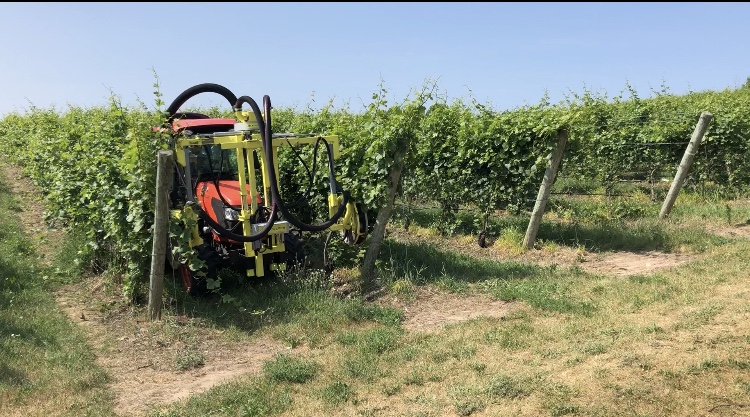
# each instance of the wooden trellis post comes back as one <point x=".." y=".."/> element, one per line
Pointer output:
<point x="687" y="162"/>
<point x="544" y="190"/>
<point x="164" y="166"/>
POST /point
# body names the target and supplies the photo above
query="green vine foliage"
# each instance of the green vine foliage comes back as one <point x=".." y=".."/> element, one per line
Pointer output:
<point x="636" y="138"/>
<point x="473" y="155"/>
<point x="96" y="165"/>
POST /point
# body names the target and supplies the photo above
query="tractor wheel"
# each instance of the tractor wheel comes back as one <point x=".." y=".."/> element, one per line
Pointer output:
<point x="295" y="252"/>
<point x="293" y="256"/>
<point x="196" y="285"/>
<point x="355" y="239"/>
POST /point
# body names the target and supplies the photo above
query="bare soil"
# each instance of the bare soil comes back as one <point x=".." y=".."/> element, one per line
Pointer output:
<point x="741" y="230"/>
<point x="46" y="240"/>
<point x="430" y="311"/>
<point x="157" y="363"/>
<point x="629" y="263"/>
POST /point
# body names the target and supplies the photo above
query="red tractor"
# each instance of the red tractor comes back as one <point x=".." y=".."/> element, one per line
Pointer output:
<point x="226" y="180"/>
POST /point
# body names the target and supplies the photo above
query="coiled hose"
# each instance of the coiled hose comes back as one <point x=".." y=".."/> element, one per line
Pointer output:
<point x="172" y="111"/>
<point x="278" y="201"/>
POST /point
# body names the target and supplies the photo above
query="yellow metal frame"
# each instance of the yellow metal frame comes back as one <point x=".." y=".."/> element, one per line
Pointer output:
<point x="247" y="142"/>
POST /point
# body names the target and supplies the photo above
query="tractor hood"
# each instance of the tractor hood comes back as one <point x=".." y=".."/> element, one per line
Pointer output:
<point x="230" y="190"/>
<point x="210" y="201"/>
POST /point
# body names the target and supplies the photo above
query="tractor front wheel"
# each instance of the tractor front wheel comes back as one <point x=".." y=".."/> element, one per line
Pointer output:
<point x="295" y="252"/>
<point x="293" y="256"/>
<point x="194" y="284"/>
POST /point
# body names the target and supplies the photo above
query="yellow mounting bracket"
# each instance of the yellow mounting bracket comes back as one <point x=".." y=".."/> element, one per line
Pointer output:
<point x="248" y="118"/>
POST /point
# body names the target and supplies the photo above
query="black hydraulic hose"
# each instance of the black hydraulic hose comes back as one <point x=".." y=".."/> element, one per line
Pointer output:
<point x="261" y="125"/>
<point x="232" y="99"/>
<point x="194" y="91"/>
<point x="217" y="179"/>
<point x="331" y="175"/>
<point x="223" y="232"/>
<point x="277" y="201"/>
<point x="310" y="174"/>
<point x="237" y="106"/>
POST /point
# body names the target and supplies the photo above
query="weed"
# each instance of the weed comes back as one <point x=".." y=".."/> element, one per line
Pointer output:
<point x="361" y="366"/>
<point x="337" y="393"/>
<point x="467" y="400"/>
<point x="285" y="368"/>
<point x="379" y="340"/>
<point x="594" y="349"/>
<point x="478" y="367"/>
<point x="513" y="337"/>
<point x="414" y="377"/>
<point x="508" y="387"/>
<point x="463" y="351"/>
<point x="391" y="389"/>
<point x="189" y="359"/>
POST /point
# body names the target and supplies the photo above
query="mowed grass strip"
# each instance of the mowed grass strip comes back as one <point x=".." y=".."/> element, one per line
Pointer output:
<point x="46" y="366"/>
<point x="579" y="344"/>
<point x="670" y="343"/>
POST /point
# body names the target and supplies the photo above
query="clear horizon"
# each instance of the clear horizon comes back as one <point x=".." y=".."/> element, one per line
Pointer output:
<point x="506" y="54"/>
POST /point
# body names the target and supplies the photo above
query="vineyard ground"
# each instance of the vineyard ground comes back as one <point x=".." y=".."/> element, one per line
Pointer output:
<point x="461" y="330"/>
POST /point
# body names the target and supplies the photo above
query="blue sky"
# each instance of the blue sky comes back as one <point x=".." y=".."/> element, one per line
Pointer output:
<point x="507" y="54"/>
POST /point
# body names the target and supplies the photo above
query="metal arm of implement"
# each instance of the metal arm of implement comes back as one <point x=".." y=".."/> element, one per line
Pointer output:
<point x="353" y="224"/>
<point x="224" y="200"/>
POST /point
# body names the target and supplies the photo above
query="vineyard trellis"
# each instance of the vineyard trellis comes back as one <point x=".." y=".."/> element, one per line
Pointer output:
<point x="96" y="165"/>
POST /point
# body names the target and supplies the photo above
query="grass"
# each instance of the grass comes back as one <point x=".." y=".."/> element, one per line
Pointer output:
<point x="189" y="359"/>
<point x="337" y="393"/>
<point x="550" y="292"/>
<point x="285" y="368"/>
<point x="437" y="265"/>
<point x="600" y="223"/>
<point x="580" y="344"/>
<point x="295" y="311"/>
<point x="667" y="343"/>
<point x="375" y="341"/>
<point x="47" y="368"/>
<point x="247" y="397"/>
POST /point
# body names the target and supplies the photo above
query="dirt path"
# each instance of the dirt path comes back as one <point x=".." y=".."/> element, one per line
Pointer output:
<point x="155" y="364"/>
<point x="150" y="364"/>
<point x="430" y="311"/>
<point x="629" y="263"/>
<point x="46" y="240"/>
